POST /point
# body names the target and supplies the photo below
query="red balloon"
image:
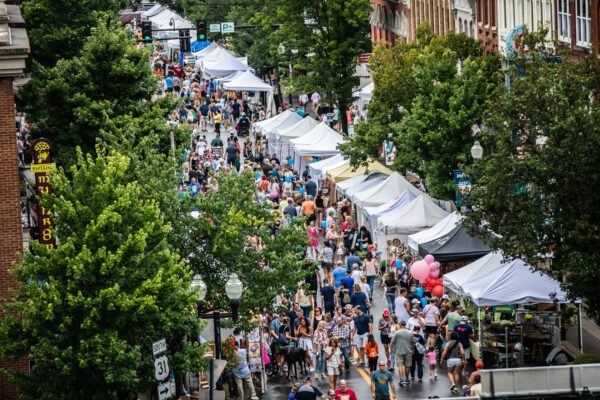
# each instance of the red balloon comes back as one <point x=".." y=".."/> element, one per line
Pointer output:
<point x="438" y="291"/>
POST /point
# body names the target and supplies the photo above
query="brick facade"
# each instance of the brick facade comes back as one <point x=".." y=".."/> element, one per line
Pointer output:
<point x="11" y="236"/>
<point x="487" y="26"/>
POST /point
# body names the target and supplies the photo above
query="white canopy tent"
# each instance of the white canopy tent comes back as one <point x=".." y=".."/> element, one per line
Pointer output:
<point x="207" y="51"/>
<point x="230" y="77"/>
<point x="372" y="213"/>
<point x="421" y="213"/>
<point x="223" y="65"/>
<point x="163" y="18"/>
<point x="284" y="135"/>
<point x="376" y="195"/>
<point x="155" y="9"/>
<point x="288" y="118"/>
<point x="436" y="231"/>
<point x="366" y="93"/>
<point x="327" y="145"/>
<point x="371" y="180"/>
<point x="247" y="81"/>
<point x="322" y="130"/>
<point x="261" y="125"/>
<point x="493" y="281"/>
<point x="319" y="169"/>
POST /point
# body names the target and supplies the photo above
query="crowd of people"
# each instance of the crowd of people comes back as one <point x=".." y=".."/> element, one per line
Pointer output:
<point x="330" y="316"/>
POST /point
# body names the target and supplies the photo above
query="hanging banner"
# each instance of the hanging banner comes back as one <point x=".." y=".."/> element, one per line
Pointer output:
<point x="462" y="185"/>
<point x="41" y="166"/>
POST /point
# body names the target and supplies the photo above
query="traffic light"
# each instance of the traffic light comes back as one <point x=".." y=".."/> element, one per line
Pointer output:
<point x="201" y="30"/>
<point x="147" y="31"/>
<point x="184" y="41"/>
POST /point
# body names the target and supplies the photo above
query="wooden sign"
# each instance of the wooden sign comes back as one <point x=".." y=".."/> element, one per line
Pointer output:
<point x="42" y="164"/>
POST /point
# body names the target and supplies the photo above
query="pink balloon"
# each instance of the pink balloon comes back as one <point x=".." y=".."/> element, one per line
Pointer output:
<point x="425" y="281"/>
<point x="420" y="270"/>
<point x="435" y="265"/>
<point x="429" y="259"/>
<point x="434" y="273"/>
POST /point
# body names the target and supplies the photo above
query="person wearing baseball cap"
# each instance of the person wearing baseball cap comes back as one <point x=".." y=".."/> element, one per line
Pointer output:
<point x="465" y="334"/>
<point x="385" y="327"/>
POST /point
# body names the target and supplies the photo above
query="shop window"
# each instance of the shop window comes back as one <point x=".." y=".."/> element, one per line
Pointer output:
<point x="583" y="35"/>
<point x="564" y="20"/>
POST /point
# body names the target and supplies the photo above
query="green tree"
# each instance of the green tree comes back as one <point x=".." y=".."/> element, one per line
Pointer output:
<point x="434" y="137"/>
<point x="427" y="96"/>
<point x="57" y="29"/>
<point x="70" y="102"/>
<point x="329" y="36"/>
<point x="536" y="187"/>
<point x="87" y="312"/>
<point x="224" y="238"/>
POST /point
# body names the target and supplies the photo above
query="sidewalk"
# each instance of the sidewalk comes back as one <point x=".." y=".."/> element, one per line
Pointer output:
<point x="591" y="337"/>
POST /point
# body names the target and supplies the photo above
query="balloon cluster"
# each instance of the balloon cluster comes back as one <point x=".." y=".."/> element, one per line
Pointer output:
<point x="427" y="271"/>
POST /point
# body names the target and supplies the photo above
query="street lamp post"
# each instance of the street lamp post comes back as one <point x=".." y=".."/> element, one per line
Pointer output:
<point x="233" y="289"/>
<point x="477" y="151"/>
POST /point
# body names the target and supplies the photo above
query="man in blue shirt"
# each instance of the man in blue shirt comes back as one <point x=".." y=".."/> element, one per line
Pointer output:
<point x="194" y="187"/>
<point x="381" y="383"/>
<point x="362" y="327"/>
<point x="242" y="375"/>
<point x="169" y="84"/>
<point x="328" y="297"/>
<point x="291" y="210"/>
<point x="349" y="282"/>
<point x="353" y="259"/>
<point x="338" y="274"/>
<point x="311" y="187"/>
<point x="465" y="333"/>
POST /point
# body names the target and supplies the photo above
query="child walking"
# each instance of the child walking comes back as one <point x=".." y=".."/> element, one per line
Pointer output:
<point x="432" y="359"/>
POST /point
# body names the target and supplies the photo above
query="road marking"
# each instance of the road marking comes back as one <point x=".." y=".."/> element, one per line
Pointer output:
<point x="365" y="376"/>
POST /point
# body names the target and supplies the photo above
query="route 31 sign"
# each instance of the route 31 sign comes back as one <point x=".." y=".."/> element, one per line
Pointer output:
<point x="161" y="368"/>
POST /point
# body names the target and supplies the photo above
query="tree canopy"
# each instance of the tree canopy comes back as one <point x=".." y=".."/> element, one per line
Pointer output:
<point x="70" y="102"/>
<point x="57" y="29"/>
<point x="427" y="96"/>
<point x="536" y="186"/>
<point x="89" y="310"/>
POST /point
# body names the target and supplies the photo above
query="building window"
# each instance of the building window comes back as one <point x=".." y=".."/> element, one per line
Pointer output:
<point x="460" y="28"/>
<point x="471" y="31"/>
<point x="583" y="35"/>
<point x="564" y="20"/>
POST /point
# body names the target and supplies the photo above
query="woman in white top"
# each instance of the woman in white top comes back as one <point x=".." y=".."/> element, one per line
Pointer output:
<point x="333" y="355"/>
<point x="431" y="315"/>
<point x="371" y="266"/>
<point x="415" y="320"/>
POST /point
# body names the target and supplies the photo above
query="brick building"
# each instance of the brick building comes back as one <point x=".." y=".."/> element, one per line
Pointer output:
<point x="391" y="22"/>
<point x="487" y="26"/>
<point x="14" y="48"/>
<point x="438" y="13"/>
<point x="577" y="24"/>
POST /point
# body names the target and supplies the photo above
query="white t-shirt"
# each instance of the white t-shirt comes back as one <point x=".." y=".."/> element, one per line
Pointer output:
<point x="356" y="274"/>
<point x="334" y="360"/>
<point x="429" y="314"/>
<point x="400" y="309"/>
<point x="411" y="323"/>
<point x="365" y="288"/>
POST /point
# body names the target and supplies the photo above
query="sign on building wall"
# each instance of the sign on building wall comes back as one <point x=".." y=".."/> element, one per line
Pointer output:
<point x="41" y="166"/>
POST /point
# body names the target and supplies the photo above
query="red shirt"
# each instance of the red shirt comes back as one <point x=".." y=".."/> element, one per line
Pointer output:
<point x="347" y="395"/>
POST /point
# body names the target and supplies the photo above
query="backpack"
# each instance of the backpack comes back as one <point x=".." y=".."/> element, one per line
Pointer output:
<point x="281" y="340"/>
<point x="346" y="299"/>
<point x="420" y="348"/>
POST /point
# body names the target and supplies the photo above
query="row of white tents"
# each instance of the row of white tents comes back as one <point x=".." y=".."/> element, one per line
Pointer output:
<point x="290" y="135"/>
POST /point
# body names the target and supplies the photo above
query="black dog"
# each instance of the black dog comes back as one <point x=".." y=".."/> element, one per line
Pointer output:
<point x="293" y="357"/>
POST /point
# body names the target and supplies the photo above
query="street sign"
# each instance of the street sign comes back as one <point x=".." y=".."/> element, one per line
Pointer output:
<point x="227" y="27"/>
<point x="215" y="28"/>
<point x="159" y="347"/>
<point x="161" y="368"/>
<point x="164" y="391"/>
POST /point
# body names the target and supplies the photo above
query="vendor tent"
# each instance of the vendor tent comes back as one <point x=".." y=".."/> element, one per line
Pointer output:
<point x="456" y="245"/>
<point x="376" y="195"/>
<point x="415" y="216"/>
<point x="152" y="11"/>
<point x="439" y="229"/>
<point x="372" y="213"/>
<point x="371" y="180"/>
<point x="229" y="77"/>
<point x="457" y="280"/>
<point x="284" y="135"/>
<point x="347" y="171"/>
<point x="287" y="119"/>
<point x="223" y="65"/>
<point x="249" y="82"/>
<point x="491" y="281"/>
<point x="317" y="133"/>
<point x="262" y="126"/>
<point x="327" y="145"/>
<point x="319" y="169"/>
<point x="366" y="93"/>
